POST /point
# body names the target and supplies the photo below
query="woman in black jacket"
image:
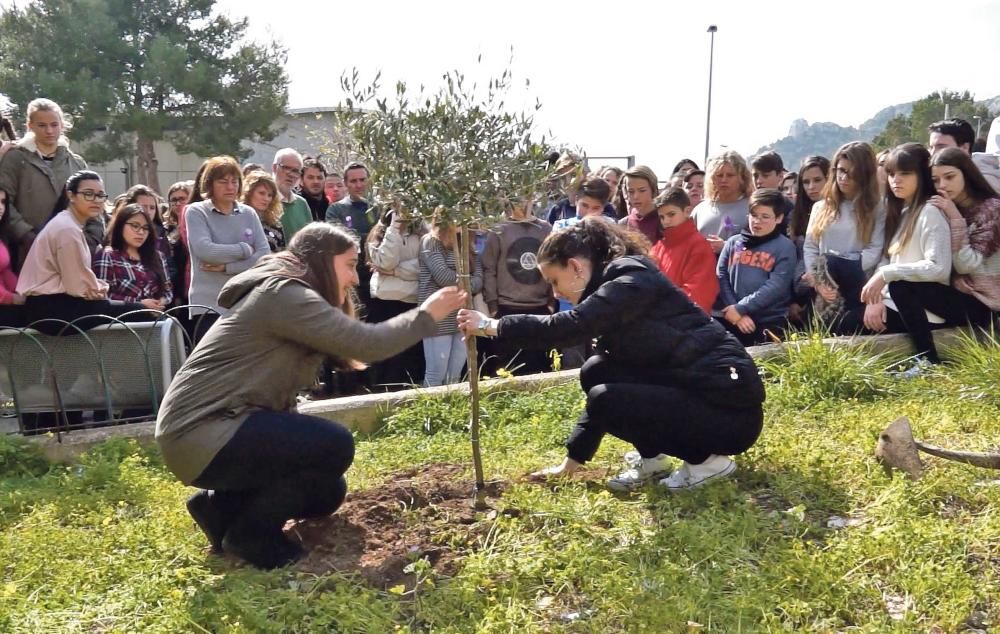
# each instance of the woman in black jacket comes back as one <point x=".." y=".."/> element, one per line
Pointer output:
<point x="664" y="376"/>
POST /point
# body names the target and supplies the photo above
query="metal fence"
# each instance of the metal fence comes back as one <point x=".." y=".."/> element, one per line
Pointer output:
<point x="113" y="372"/>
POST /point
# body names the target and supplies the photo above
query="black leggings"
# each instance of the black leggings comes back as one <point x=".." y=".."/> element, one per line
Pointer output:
<point x="657" y="416"/>
<point x="278" y="466"/>
<point x="913" y="298"/>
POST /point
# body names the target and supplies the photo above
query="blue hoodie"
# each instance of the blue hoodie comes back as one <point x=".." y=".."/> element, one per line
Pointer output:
<point x="756" y="274"/>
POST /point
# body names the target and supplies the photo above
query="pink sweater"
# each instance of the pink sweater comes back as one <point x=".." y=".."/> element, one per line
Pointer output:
<point x="8" y="281"/>
<point x="59" y="261"/>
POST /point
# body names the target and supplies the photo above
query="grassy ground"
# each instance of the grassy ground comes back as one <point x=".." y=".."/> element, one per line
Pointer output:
<point x="105" y="546"/>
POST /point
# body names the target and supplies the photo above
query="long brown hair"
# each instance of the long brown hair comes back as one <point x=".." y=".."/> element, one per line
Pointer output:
<point x="911" y="158"/>
<point x="593" y="239"/>
<point x="803" y="204"/>
<point x="308" y="259"/>
<point x="866" y="200"/>
<point x="977" y="188"/>
<point x="148" y="255"/>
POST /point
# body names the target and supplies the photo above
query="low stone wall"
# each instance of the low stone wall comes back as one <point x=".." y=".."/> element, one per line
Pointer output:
<point x="365" y="413"/>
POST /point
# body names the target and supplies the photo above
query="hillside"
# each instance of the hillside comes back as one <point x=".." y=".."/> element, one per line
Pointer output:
<point x="824" y="138"/>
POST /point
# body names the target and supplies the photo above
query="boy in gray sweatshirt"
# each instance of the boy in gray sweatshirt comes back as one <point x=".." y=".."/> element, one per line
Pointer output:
<point x="512" y="284"/>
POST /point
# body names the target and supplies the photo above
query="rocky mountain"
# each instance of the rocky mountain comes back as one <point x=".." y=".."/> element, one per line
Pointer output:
<point x="824" y="138"/>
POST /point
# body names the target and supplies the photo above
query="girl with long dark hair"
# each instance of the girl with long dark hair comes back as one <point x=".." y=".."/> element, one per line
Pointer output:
<point x="911" y="291"/>
<point x="664" y="376"/>
<point x="134" y="269"/>
<point x="972" y="208"/>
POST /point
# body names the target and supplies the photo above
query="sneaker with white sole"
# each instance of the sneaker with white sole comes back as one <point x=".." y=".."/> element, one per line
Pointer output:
<point x="640" y="472"/>
<point x="689" y="476"/>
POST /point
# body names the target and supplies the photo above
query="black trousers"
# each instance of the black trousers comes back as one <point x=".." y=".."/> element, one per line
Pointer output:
<point x="278" y="466"/>
<point x="407" y="367"/>
<point x="644" y="407"/>
<point x="913" y="298"/>
<point x="519" y="361"/>
<point x="67" y="308"/>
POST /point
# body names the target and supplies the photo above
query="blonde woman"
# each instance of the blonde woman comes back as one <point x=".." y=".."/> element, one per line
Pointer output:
<point x="725" y="210"/>
<point x="260" y="192"/>
<point x="33" y="174"/>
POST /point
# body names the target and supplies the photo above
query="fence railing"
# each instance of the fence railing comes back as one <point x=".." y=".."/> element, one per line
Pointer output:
<point x="96" y="370"/>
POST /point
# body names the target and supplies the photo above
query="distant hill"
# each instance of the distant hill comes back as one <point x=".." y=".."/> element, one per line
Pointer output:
<point x="824" y="138"/>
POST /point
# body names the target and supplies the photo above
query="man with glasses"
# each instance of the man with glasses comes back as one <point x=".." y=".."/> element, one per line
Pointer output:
<point x="287" y="169"/>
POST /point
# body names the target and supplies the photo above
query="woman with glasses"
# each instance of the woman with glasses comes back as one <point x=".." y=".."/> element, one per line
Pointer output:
<point x="847" y="229"/>
<point x="130" y="263"/>
<point x="57" y="280"/>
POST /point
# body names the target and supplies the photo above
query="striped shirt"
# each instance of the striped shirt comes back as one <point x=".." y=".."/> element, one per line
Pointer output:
<point x="437" y="270"/>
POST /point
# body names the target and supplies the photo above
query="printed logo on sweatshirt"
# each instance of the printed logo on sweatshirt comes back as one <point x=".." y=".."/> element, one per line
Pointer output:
<point x="756" y="259"/>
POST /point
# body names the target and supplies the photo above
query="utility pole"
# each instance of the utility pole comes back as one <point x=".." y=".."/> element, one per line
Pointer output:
<point x="712" y="29"/>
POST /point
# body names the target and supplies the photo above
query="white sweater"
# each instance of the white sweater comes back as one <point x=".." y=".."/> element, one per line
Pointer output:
<point x="925" y="258"/>
<point x="400" y="255"/>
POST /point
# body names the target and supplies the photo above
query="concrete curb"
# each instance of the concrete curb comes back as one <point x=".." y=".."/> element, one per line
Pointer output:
<point x="365" y="413"/>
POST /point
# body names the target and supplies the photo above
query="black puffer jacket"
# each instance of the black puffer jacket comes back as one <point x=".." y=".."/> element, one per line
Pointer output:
<point x="641" y="319"/>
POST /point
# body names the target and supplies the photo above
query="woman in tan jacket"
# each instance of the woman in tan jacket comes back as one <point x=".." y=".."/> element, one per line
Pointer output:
<point x="235" y="434"/>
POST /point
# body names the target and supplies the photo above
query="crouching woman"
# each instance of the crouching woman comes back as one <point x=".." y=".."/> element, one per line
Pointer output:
<point x="228" y="425"/>
<point x="665" y="377"/>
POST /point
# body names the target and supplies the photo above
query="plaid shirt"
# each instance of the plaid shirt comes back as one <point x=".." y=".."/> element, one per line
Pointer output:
<point x="128" y="279"/>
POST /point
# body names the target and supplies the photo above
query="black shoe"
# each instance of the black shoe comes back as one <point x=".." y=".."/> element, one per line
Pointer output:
<point x="266" y="552"/>
<point x="209" y="518"/>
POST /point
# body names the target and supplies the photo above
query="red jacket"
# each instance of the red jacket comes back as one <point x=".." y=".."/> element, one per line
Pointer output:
<point x="686" y="259"/>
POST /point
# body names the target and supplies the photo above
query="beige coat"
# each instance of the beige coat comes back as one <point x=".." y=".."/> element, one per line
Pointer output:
<point x="259" y="356"/>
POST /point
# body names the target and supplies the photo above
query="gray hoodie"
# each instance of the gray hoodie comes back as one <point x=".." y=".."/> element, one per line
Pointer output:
<point x="259" y="356"/>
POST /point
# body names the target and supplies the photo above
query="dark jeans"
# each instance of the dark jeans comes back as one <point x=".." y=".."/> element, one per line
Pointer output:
<point x="68" y="308"/>
<point x="643" y="406"/>
<point x="407" y="367"/>
<point x="913" y="298"/>
<point x="502" y="355"/>
<point x="278" y="466"/>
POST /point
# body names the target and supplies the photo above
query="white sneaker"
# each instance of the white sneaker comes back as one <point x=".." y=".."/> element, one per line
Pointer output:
<point x="689" y="476"/>
<point x="920" y="367"/>
<point x="639" y="472"/>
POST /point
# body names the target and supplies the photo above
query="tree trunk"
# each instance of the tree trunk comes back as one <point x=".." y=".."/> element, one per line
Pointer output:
<point x="147" y="165"/>
<point x="462" y="259"/>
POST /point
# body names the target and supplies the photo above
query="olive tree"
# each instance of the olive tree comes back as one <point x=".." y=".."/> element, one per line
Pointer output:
<point x="459" y="154"/>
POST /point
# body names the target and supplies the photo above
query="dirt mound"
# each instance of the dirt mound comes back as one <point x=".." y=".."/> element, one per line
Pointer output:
<point x="421" y="512"/>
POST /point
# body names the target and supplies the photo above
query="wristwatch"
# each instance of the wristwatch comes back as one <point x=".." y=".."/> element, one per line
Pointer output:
<point x="484" y="326"/>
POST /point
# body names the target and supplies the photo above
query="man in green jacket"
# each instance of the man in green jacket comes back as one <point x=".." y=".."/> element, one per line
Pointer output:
<point x="287" y="171"/>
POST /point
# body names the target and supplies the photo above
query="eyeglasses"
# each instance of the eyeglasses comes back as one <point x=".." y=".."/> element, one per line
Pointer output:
<point x="290" y="168"/>
<point x="138" y="228"/>
<point x="89" y="195"/>
<point x="177" y="201"/>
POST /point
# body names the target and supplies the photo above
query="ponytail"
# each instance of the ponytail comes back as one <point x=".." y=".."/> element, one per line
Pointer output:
<point x="594" y="239"/>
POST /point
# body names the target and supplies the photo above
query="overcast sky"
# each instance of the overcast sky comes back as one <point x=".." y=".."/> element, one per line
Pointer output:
<point x="632" y="78"/>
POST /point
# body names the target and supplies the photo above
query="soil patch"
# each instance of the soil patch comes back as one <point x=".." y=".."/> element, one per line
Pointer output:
<point x="424" y="512"/>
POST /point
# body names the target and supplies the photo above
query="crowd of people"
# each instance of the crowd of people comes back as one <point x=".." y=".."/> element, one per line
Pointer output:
<point x="902" y="241"/>
<point x="653" y="288"/>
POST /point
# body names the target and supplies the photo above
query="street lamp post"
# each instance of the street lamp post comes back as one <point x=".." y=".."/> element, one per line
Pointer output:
<point x="979" y="124"/>
<point x="708" y="118"/>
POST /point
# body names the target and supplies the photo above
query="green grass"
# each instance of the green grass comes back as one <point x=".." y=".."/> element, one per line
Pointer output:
<point x="106" y="546"/>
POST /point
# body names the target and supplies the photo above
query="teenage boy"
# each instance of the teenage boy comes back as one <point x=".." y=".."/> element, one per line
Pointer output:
<point x="767" y="170"/>
<point x="682" y="253"/>
<point x="591" y="199"/>
<point x="755" y="272"/>
<point x="512" y="284"/>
